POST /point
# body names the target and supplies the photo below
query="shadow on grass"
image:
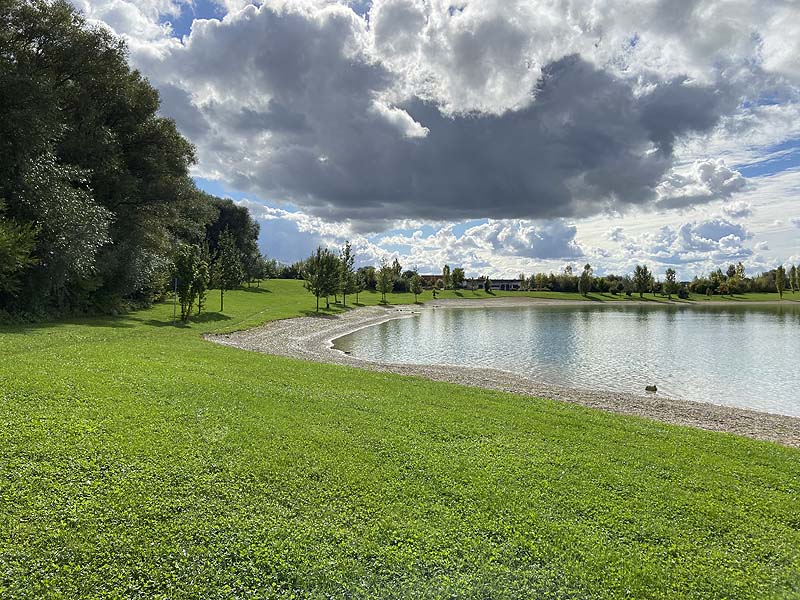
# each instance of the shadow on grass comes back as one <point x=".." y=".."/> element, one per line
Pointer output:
<point x="106" y="322"/>
<point x="459" y="294"/>
<point x="211" y="317"/>
<point x="322" y="314"/>
<point x="255" y="290"/>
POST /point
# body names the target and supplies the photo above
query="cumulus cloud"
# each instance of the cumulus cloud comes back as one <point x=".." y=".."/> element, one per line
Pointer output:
<point x="738" y="210"/>
<point x="705" y="181"/>
<point x="711" y="242"/>
<point x="525" y="112"/>
<point x="548" y="240"/>
<point x="437" y="111"/>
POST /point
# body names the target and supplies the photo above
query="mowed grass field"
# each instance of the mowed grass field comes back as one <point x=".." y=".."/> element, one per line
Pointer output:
<point x="139" y="461"/>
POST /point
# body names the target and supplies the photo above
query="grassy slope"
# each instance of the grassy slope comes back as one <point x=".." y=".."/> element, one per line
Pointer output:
<point x="138" y="460"/>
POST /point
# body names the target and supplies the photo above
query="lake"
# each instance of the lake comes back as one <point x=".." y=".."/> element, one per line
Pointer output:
<point x="744" y="356"/>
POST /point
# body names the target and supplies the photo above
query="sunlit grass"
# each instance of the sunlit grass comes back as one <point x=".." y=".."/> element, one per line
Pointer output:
<point x="137" y="460"/>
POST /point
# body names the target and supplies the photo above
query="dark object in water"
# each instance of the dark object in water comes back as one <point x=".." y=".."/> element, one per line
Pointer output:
<point x="650" y="388"/>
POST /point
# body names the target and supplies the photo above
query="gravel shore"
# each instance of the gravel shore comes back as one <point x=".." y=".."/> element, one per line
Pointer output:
<point x="311" y="338"/>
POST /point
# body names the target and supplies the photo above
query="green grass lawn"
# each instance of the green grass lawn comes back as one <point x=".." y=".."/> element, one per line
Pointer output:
<point x="139" y="461"/>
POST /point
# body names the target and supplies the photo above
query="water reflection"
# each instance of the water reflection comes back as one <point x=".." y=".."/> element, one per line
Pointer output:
<point x="738" y="355"/>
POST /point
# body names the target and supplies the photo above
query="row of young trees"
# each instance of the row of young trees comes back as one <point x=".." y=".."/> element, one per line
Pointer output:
<point x="97" y="208"/>
<point x="327" y="274"/>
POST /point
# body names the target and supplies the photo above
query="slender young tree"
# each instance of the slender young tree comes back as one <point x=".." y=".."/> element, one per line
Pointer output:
<point x="322" y="274"/>
<point x="641" y="279"/>
<point x="361" y="282"/>
<point x="185" y="269"/>
<point x="670" y="283"/>
<point x="793" y="279"/>
<point x="347" y="275"/>
<point x="385" y="280"/>
<point x="229" y="270"/>
<point x="585" y="280"/>
<point x="446" y="277"/>
<point x="797" y="277"/>
<point x="415" y="285"/>
<point x="780" y="280"/>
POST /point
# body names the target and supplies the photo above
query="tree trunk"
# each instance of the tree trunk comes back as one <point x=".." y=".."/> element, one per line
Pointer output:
<point x="317" y="303"/>
<point x="221" y="299"/>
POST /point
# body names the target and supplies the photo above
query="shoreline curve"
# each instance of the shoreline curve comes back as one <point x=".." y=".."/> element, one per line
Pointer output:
<point x="311" y="338"/>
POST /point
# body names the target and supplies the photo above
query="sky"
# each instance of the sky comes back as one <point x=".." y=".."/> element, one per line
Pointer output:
<point x="502" y="136"/>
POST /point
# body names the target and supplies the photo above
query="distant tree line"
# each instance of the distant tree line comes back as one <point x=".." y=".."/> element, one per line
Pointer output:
<point x="326" y="273"/>
<point x="733" y="280"/>
<point x="97" y="208"/>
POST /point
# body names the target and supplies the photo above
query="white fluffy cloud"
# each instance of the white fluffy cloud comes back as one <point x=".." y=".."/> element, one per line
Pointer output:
<point x="699" y="244"/>
<point x="703" y="182"/>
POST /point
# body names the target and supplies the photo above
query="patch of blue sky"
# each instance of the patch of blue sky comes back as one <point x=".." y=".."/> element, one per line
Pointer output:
<point x="460" y="228"/>
<point x="217" y="188"/>
<point x="360" y="7"/>
<point x="775" y="159"/>
<point x="198" y="9"/>
<point x="399" y="248"/>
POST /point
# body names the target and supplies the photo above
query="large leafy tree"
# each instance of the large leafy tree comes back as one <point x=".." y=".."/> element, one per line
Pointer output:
<point x="87" y="161"/>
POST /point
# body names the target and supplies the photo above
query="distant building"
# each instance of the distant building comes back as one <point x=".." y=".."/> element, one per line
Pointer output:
<point x="506" y="285"/>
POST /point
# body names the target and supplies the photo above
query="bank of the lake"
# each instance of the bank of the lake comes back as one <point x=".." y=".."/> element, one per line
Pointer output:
<point x="139" y="460"/>
<point x="312" y="338"/>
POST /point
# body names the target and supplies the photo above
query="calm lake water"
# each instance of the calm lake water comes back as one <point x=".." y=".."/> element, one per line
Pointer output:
<point x="743" y="356"/>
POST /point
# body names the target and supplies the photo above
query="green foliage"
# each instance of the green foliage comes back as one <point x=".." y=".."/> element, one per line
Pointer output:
<point x="457" y="278"/>
<point x="415" y="285"/>
<point x="143" y="461"/>
<point x="780" y="280"/>
<point x="16" y="246"/>
<point x="385" y="279"/>
<point x="322" y="274"/>
<point x="187" y="261"/>
<point x="347" y="275"/>
<point x="86" y="160"/>
<point x="585" y="280"/>
<point x="446" y="282"/>
<point x="228" y="271"/>
<point x="670" y="283"/>
<point x="642" y="279"/>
